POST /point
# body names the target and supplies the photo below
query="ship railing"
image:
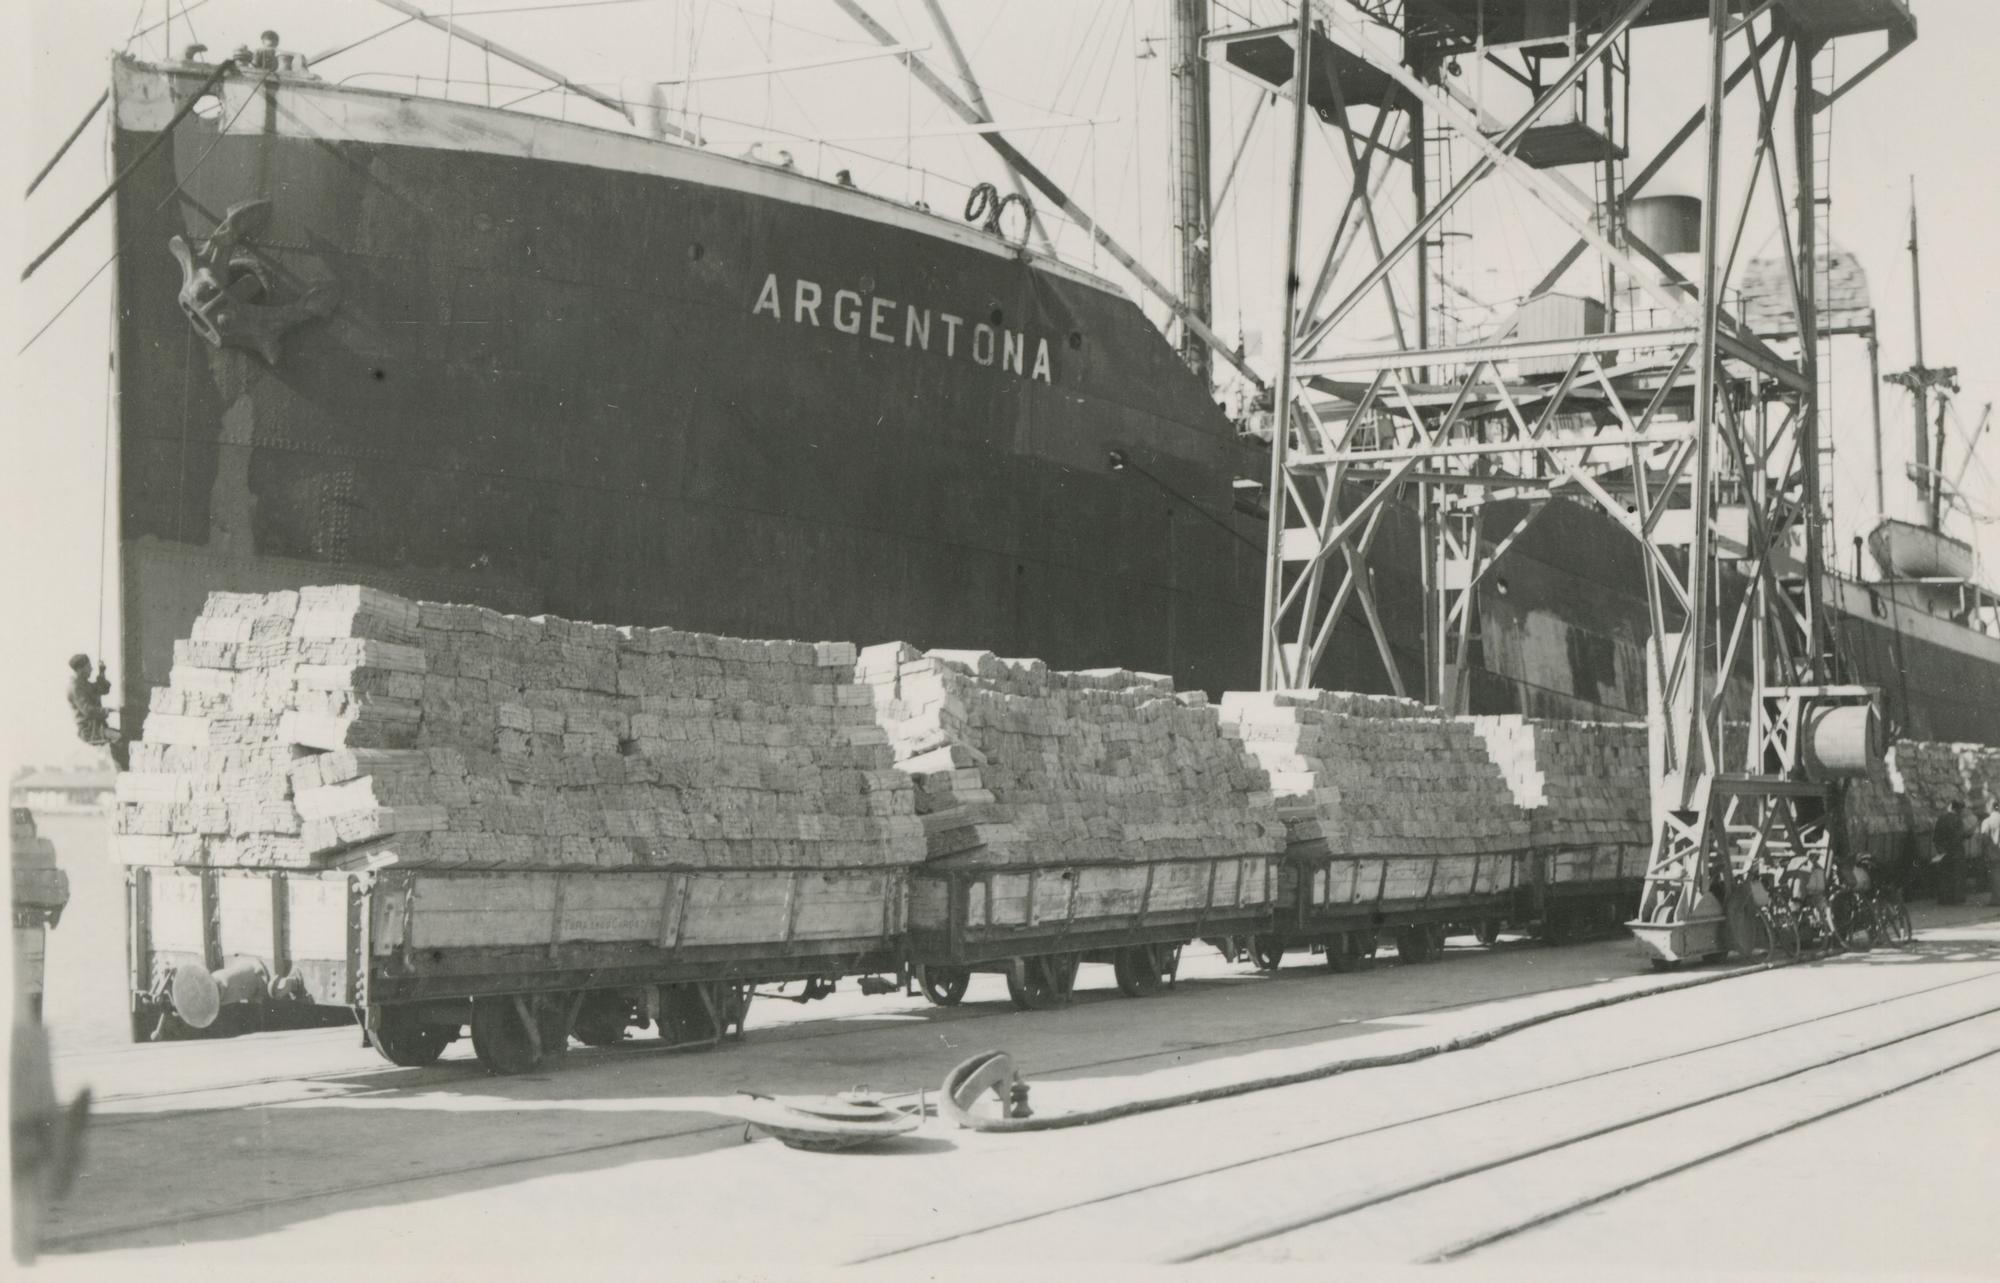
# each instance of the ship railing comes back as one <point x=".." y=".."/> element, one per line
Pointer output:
<point x="923" y="188"/>
<point x="1966" y="600"/>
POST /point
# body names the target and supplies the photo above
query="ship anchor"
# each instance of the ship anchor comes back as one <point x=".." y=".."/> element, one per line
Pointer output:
<point x="224" y="287"/>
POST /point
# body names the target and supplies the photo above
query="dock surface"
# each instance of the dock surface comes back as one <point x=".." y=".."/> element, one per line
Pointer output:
<point x="1558" y="1143"/>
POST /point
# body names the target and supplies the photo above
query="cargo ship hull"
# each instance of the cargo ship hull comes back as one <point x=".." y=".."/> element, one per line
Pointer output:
<point x="467" y="354"/>
<point x="581" y="372"/>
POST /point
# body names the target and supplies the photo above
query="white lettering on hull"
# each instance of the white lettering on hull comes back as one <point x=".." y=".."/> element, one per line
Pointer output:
<point x="990" y="346"/>
<point x="847" y="321"/>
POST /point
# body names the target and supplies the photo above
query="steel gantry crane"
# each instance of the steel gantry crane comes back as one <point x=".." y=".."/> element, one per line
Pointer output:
<point x="1642" y="394"/>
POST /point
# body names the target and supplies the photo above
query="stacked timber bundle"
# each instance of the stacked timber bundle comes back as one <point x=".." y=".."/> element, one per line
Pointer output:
<point x="1934" y="775"/>
<point x="342" y="726"/>
<point x="1017" y="764"/>
<point x="1586" y="784"/>
<point x="1920" y="780"/>
<point x="40" y="888"/>
<point x="1374" y="775"/>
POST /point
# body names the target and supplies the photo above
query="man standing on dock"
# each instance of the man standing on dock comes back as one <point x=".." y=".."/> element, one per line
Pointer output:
<point x="1986" y="850"/>
<point x="1948" y="854"/>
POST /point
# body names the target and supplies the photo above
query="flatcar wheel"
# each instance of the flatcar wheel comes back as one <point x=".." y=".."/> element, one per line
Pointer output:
<point x="1487" y="932"/>
<point x="1349" y="951"/>
<point x="1145" y="969"/>
<point x="1557" y="926"/>
<point x="552" y="1016"/>
<point x="401" y="1040"/>
<point x="500" y="1036"/>
<point x="684" y="1018"/>
<point x="944" y="986"/>
<point x="1417" y="943"/>
<point x="1268" y="952"/>
<point x="601" y="1021"/>
<point x="1037" y="984"/>
<point x="732" y="1001"/>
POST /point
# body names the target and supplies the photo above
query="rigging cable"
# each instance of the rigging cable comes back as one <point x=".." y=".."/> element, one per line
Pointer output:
<point x="185" y="10"/>
<point x="548" y="8"/>
<point x="1125" y="461"/>
<point x="104" y="486"/>
<point x="335" y="52"/>
<point x="68" y="142"/>
<point x="171" y="194"/>
<point x="166" y="132"/>
<point x="138" y="16"/>
<point x="1096" y="112"/>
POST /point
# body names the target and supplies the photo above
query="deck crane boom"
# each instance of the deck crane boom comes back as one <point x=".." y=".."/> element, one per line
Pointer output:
<point x="1637" y="390"/>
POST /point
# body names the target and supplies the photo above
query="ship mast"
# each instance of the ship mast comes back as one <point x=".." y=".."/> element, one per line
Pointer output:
<point x="1926" y="489"/>
<point x="1927" y="471"/>
<point x="1189" y="75"/>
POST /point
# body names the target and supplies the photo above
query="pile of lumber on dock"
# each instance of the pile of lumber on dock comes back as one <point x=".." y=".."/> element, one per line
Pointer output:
<point x="1019" y="764"/>
<point x="343" y="726"/>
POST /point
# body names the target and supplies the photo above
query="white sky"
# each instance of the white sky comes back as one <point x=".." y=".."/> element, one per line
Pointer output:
<point x="1932" y="112"/>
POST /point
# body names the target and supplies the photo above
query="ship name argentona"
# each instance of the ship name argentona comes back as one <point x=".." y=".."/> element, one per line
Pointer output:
<point x="886" y="321"/>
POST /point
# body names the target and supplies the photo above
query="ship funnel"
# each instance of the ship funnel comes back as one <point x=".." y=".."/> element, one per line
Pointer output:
<point x="1670" y="224"/>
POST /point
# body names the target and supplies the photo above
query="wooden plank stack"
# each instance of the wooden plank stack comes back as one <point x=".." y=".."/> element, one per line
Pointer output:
<point x="1017" y="764"/>
<point x="342" y="726"/>
<point x="1919" y="780"/>
<point x="1374" y="775"/>
<point x="1585" y="784"/>
<point x="40" y="888"/>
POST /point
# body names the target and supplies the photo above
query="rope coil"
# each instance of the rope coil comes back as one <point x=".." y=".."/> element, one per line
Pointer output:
<point x="985" y="206"/>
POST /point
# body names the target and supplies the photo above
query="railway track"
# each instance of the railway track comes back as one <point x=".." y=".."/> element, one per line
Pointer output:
<point x="372" y="1082"/>
<point x="1442" y="1184"/>
<point x="1278" y="1227"/>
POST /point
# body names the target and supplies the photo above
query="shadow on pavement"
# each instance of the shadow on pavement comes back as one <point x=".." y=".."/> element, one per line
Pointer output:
<point x="404" y="1136"/>
<point x="212" y="1170"/>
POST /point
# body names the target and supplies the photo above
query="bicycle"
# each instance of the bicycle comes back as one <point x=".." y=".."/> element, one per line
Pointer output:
<point x="1891" y="919"/>
<point x="1797" y="908"/>
<point x="1864" y="908"/>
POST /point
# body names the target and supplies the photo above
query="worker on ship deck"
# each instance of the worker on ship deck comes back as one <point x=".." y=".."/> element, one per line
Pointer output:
<point x="86" y="704"/>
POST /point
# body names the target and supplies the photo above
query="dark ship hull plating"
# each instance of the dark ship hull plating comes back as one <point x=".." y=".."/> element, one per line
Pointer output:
<point x="585" y="373"/>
